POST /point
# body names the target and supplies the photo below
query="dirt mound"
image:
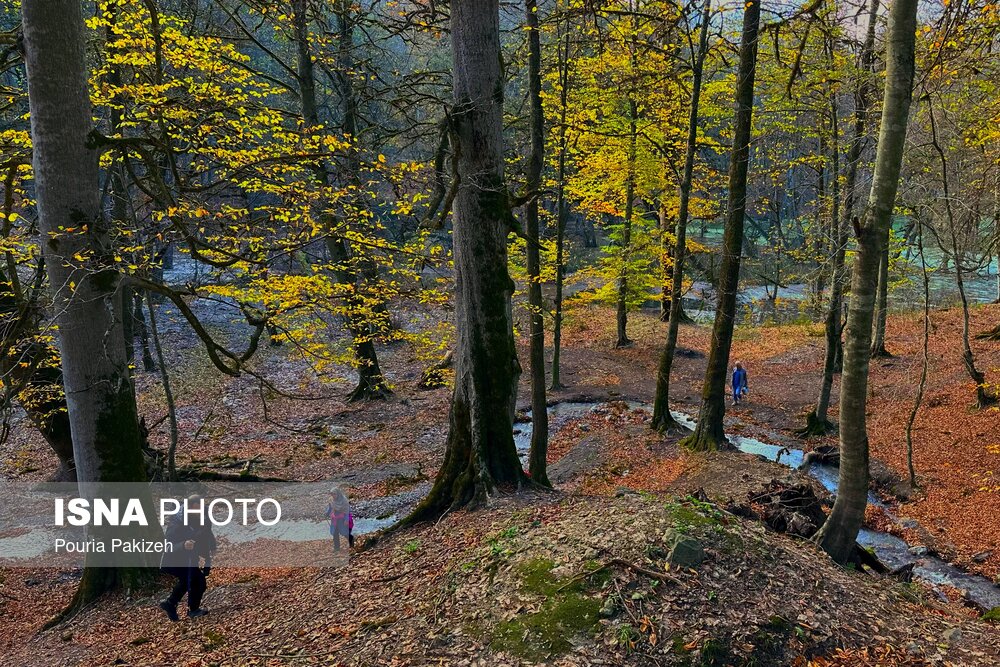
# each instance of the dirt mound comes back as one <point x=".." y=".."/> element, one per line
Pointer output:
<point x="547" y="579"/>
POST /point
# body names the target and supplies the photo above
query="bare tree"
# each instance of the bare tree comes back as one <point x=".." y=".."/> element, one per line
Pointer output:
<point x="983" y="398"/>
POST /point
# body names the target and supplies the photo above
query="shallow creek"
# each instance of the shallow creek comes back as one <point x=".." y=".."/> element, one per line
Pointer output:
<point x="891" y="550"/>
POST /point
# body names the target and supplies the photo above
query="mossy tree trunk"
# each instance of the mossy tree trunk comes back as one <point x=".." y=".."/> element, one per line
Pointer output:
<point x="662" y="419"/>
<point x="839" y="534"/>
<point x="480" y="454"/>
<point x="107" y="445"/>
<point x="539" y="415"/>
<point x="709" y="433"/>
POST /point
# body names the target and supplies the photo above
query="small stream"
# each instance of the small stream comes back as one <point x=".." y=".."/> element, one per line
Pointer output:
<point x="891" y="550"/>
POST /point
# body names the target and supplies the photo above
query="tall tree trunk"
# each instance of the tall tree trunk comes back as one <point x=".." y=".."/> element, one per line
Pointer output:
<point x="539" y="414"/>
<point x="709" y="433"/>
<point x="480" y="454"/>
<point x="139" y="323"/>
<point x="978" y="377"/>
<point x="839" y="534"/>
<point x="662" y="419"/>
<point x="666" y="261"/>
<point x="818" y="421"/>
<point x="561" y="212"/>
<point x="925" y="359"/>
<point x="371" y="382"/>
<point x="881" y="304"/>
<point x="30" y="371"/>
<point x="107" y="444"/>
<point x="168" y="393"/>
<point x="626" y="238"/>
<point x="825" y="232"/>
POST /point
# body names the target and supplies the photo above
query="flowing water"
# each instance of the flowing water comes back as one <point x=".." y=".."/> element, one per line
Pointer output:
<point x="891" y="550"/>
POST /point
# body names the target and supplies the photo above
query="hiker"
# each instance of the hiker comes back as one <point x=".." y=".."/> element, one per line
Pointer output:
<point x="191" y="541"/>
<point x="338" y="513"/>
<point x="740" y="386"/>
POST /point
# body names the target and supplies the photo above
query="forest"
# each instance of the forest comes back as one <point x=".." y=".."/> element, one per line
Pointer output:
<point x="500" y="332"/>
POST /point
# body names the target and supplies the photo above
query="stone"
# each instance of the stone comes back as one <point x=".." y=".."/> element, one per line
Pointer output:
<point x="685" y="552"/>
<point x="608" y="610"/>
<point x="952" y="635"/>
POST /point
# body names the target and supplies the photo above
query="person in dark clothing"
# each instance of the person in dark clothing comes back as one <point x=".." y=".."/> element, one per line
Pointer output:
<point x="192" y="543"/>
<point x="740" y="386"/>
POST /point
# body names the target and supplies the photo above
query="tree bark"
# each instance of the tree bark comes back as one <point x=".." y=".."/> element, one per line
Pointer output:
<point x="818" y="421"/>
<point x="621" y="318"/>
<point x="538" y="455"/>
<point x="983" y="398"/>
<point x="30" y="373"/>
<point x="881" y="304"/>
<point x="667" y="262"/>
<point x="561" y="212"/>
<point x="371" y="382"/>
<point x="662" y="419"/>
<point x="139" y="322"/>
<point x="709" y="433"/>
<point x="480" y="454"/>
<point x="838" y="535"/>
<point x="107" y="445"/>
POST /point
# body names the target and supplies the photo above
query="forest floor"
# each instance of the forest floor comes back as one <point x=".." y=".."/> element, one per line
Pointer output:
<point x="503" y="585"/>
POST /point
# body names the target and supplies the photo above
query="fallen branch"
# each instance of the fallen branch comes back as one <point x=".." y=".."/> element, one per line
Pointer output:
<point x="385" y="580"/>
<point x="621" y="562"/>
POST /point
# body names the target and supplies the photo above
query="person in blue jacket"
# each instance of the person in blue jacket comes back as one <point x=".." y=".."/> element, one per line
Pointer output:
<point x="740" y="386"/>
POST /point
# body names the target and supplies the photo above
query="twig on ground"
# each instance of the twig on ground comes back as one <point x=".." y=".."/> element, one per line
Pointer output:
<point x="621" y="562"/>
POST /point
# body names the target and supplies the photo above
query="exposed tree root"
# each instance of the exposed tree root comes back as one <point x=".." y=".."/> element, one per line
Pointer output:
<point x="989" y="334"/>
<point x="371" y="388"/>
<point x="881" y="353"/>
<point x="815" y="427"/>
<point x="622" y="563"/>
<point x="667" y="425"/>
<point x="705" y="440"/>
<point x="95" y="583"/>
